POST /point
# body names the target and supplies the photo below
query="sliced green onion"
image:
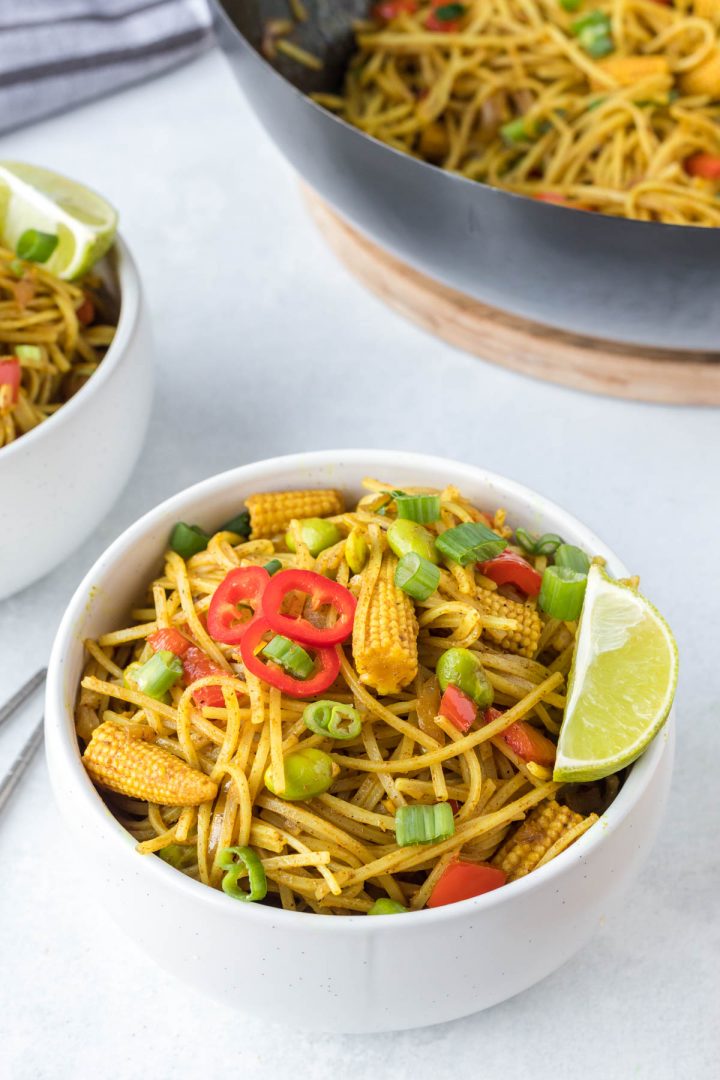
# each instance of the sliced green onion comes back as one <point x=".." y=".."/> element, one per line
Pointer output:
<point x="420" y="508"/>
<point x="562" y="593"/>
<point x="240" y="862"/>
<point x="17" y="268"/>
<point x="570" y="5"/>
<point x="449" y="12"/>
<point x="592" y="19"/>
<point x="416" y="576"/>
<point x="156" y="675"/>
<point x="385" y="906"/>
<point x="332" y="719"/>
<point x="422" y="824"/>
<point x="470" y="542"/>
<point x="273" y="566"/>
<point x="290" y="656"/>
<point x="177" y="855"/>
<point x="573" y="557"/>
<point x="28" y="352"/>
<point x="516" y="132"/>
<point x="537" y="545"/>
<point x="240" y="524"/>
<point x="593" y="34"/>
<point x="188" y="540"/>
<point x="36" y="246"/>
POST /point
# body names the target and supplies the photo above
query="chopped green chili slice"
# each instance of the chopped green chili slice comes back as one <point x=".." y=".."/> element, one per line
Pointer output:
<point x="332" y="719"/>
<point x="240" y="862"/>
<point x="290" y="656"/>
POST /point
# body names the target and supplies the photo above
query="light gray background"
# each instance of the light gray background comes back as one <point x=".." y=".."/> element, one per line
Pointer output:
<point x="265" y="346"/>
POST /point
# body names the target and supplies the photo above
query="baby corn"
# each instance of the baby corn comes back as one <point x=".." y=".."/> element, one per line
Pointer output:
<point x="272" y="512"/>
<point x="385" y="632"/>
<point x="540" y="831"/>
<point x="122" y="762"/>
<point x="525" y="638"/>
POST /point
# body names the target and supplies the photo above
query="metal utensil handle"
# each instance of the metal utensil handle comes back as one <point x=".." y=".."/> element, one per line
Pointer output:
<point x="22" y="694"/>
<point x="20" y="764"/>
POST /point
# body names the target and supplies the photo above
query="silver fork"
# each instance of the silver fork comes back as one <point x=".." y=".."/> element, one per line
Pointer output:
<point x="14" y="774"/>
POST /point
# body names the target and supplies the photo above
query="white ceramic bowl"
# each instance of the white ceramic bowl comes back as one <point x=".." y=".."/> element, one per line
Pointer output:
<point x="351" y="974"/>
<point x="58" y="481"/>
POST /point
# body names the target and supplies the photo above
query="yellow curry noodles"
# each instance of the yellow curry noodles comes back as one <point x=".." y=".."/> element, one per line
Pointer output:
<point x="53" y="335"/>
<point x="344" y="709"/>
<point x="602" y="105"/>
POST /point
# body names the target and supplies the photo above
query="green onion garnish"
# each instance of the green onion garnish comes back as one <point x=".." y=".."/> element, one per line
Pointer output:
<point x="385" y="906"/>
<point x="177" y="855"/>
<point x="240" y="524"/>
<point x="470" y="542"/>
<point x="537" y="545"/>
<point x="516" y="132"/>
<point x="572" y="557"/>
<point x="570" y="5"/>
<point x="17" y="268"/>
<point x="290" y="656"/>
<point x="240" y="862"/>
<point x="562" y="593"/>
<point x="422" y="824"/>
<point x="188" y="540"/>
<point x="448" y="12"/>
<point x="416" y="576"/>
<point x="332" y="719"/>
<point x="420" y="508"/>
<point x="36" y="246"/>
<point x="28" y="352"/>
<point x="593" y="34"/>
<point x="156" y="675"/>
<point x="273" y="566"/>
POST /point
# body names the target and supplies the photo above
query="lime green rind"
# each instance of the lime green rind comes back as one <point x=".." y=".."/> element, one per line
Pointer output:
<point x="570" y="765"/>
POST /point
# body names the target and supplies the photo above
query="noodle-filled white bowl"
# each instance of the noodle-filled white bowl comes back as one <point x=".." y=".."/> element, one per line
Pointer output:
<point x="338" y="973"/>
<point x="59" y="480"/>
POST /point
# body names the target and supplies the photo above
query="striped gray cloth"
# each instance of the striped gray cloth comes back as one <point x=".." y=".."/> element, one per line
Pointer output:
<point x="55" y="54"/>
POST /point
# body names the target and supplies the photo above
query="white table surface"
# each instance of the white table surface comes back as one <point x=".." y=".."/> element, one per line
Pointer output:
<point x="249" y="306"/>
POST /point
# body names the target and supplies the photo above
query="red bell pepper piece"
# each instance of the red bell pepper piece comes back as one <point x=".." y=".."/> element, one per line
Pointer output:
<point x="511" y="569"/>
<point x="10" y="375"/>
<point x="705" y="165"/>
<point x="170" y="640"/>
<point x="462" y="880"/>
<point x="323" y="593"/>
<point x="236" y="601"/>
<point x="525" y="740"/>
<point x="86" y="312"/>
<point x="326" y="659"/>
<point x="390" y="9"/>
<point x="198" y="665"/>
<point x="458" y="708"/>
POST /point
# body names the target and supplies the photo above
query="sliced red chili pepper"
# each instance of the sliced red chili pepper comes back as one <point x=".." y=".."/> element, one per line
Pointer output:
<point x="525" y="740"/>
<point x="322" y="592"/>
<point x="458" y="708"/>
<point x="169" y="639"/>
<point x="511" y="569"/>
<point x="198" y="665"/>
<point x="706" y="166"/>
<point x="86" y="312"/>
<point x="390" y="9"/>
<point x="326" y="659"/>
<point x="462" y="880"/>
<point x="10" y="375"/>
<point x="236" y="601"/>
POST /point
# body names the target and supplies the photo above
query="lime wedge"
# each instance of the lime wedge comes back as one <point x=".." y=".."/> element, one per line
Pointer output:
<point x="35" y="198"/>
<point x="621" y="685"/>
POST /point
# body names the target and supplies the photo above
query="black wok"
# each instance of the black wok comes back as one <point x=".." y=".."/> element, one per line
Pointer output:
<point x="607" y="277"/>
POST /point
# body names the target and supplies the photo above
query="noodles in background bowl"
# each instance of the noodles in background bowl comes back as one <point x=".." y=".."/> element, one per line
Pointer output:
<point x="610" y="107"/>
<point x="58" y="332"/>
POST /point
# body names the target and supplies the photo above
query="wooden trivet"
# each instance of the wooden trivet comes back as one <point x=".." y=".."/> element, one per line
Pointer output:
<point x="601" y="367"/>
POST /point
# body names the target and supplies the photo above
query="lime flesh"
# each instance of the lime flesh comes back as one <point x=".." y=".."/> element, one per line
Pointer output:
<point x="36" y="198"/>
<point x="621" y="684"/>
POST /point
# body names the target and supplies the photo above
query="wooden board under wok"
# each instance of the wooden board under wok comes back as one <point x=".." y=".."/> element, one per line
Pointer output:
<point x="600" y="367"/>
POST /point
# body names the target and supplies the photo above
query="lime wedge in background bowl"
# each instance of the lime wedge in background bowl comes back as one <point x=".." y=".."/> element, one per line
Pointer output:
<point x="621" y="684"/>
<point x="36" y="198"/>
